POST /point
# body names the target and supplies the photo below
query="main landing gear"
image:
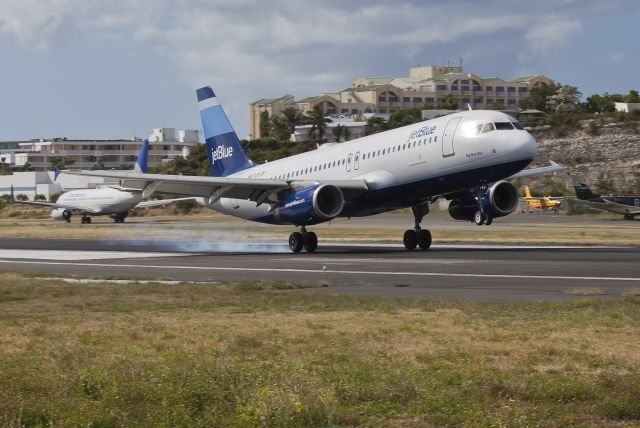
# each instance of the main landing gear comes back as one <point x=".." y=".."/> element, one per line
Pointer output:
<point x="85" y="219"/>
<point x="119" y="218"/>
<point x="418" y="237"/>
<point x="481" y="217"/>
<point x="303" y="239"/>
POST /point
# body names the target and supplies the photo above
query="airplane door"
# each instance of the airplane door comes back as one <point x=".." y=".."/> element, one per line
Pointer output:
<point x="447" y="137"/>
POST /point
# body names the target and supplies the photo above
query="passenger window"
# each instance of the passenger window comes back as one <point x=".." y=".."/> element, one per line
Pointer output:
<point x="435" y="139"/>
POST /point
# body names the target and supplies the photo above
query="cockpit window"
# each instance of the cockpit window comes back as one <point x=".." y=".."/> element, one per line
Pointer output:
<point x="501" y="126"/>
<point x="517" y="125"/>
<point x="488" y="127"/>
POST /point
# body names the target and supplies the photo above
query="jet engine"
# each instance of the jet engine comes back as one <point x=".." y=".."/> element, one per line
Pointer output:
<point x="499" y="200"/>
<point x="61" y="214"/>
<point x="311" y="205"/>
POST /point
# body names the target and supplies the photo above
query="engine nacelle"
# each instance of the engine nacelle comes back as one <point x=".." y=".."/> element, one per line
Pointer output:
<point x="60" y="214"/>
<point x="311" y="205"/>
<point x="499" y="200"/>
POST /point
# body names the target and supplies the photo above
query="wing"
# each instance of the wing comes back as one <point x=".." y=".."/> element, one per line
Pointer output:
<point x="554" y="167"/>
<point x="160" y="202"/>
<point x="610" y="206"/>
<point x="258" y="190"/>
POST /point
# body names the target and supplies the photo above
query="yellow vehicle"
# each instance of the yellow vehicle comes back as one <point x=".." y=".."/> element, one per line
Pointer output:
<point x="542" y="202"/>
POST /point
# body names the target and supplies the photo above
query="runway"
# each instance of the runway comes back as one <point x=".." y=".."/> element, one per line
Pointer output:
<point x="513" y="273"/>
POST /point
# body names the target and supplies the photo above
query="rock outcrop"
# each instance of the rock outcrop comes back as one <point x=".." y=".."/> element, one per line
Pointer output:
<point x="607" y="157"/>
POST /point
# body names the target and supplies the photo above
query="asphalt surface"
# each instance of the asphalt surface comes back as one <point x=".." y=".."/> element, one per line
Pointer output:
<point x="515" y="273"/>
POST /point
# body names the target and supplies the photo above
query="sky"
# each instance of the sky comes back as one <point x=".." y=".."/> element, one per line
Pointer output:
<point x="119" y="68"/>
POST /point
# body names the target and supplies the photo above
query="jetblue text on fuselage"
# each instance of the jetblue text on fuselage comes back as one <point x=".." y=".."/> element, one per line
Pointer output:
<point x="221" y="152"/>
<point x="423" y="132"/>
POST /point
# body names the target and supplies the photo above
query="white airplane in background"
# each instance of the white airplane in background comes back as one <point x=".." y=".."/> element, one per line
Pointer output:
<point x="465" y="157"/>
<point x="108" y="200"/>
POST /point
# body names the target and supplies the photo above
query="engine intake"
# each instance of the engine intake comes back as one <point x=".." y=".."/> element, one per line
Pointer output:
<point x="499" y="200"/>
<point x="311" y="205"/>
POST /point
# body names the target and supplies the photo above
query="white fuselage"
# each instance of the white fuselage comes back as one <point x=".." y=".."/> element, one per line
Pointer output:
<point x="444" y="149"/>
<point x="100" y="201"/>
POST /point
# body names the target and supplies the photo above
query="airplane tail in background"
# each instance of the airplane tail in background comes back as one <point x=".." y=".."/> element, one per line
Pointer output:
<point x="143" y="156"/>
<point x="527" y="193"/>
<point x="583" y="192"/>
<point x="226" y="155"/>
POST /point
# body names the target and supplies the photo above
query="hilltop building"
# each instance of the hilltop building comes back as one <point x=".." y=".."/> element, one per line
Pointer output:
<point x="424" y="85"/>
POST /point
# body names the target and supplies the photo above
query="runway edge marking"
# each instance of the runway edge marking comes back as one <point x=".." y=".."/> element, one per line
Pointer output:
<point x="347" y="272"/>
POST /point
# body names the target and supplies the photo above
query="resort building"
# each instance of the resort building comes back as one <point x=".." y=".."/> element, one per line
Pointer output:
<point x="425" y="86"/>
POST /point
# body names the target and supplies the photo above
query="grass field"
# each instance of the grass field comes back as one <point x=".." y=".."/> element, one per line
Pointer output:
<point x="255" y="354"/>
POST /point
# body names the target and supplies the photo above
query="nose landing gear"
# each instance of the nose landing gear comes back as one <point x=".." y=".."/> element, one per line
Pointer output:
<point x="303" y="239"/>
<point x="481" y="217"/>
<point x="418" y="237"/>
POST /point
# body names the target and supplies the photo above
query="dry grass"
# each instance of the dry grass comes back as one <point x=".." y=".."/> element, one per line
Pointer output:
<point x="631" y="292"/>
<point x="584" y="291"/>
<point x="249" y="355"/>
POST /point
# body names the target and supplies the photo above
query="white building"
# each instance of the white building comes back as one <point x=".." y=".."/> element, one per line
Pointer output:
<point x="87" y="153"/>
<point x="627" y="107"/>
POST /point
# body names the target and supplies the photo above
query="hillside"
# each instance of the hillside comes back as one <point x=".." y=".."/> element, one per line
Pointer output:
<point x="606" y="157"/>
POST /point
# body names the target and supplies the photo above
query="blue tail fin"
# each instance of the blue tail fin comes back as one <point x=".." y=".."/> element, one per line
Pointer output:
<point x="56" y="172"/>
<point x="141" y="161"/>
<point x="226" y="155"/>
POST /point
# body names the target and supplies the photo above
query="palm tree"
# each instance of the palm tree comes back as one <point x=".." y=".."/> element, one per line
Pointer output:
<point x="318" y="122"/>
<point x="341" y="133"/>
<point x="292" y="117"/>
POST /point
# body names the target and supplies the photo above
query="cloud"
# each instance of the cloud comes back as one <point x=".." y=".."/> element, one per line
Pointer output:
<point x="550" y="34"/>
<point x="252" y="49"/>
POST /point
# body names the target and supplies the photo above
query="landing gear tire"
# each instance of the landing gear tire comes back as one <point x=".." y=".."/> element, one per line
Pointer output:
<point x="424" y="239"/>
<point x="66" y="215"/>
<point x="295" y="242"/>
<point x="309" y="241"/>
<point x="488" y="220"/>
<point x="85" y="220"/>
<point x="410" y="240"/>
<point x="478" y="218"/>
<point x="628" y="217"/>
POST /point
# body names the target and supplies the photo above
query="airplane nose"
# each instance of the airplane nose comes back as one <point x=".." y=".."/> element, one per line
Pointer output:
<point x="523" y="145"/>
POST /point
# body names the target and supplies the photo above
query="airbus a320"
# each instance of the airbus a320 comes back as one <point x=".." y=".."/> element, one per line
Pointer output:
<point x="466" y="157"/>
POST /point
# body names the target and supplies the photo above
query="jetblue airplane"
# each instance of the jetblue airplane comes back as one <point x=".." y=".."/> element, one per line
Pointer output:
<point x="464" y="157"/>
<point x="108" y="200"/>
<point x="629" y="206"/>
